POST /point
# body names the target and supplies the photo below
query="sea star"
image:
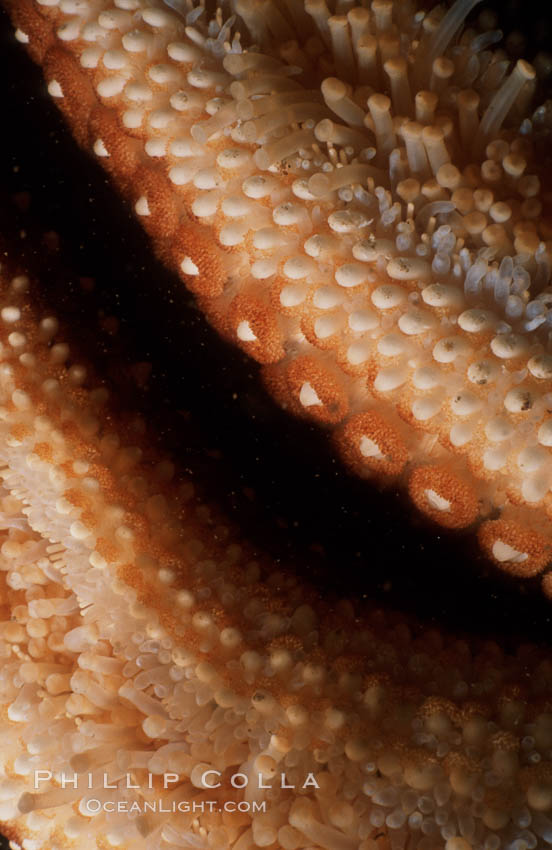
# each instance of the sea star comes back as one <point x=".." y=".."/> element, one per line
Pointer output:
<point x="141" y="645"/>
<point x="489" y="811"/>
<point x="386" y="257"/>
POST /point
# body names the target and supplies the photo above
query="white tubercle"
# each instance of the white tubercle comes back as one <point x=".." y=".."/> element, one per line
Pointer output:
<point x="327" y="297"/>
<point x="363" y="320"/>
<point x="545" y="433"/>
<point x="426" y="378"/>
<point x="408" y="268"/>
<point x="297" y="268"/>
<point x="100" y="148"/>
<point x="415" y="321"/>
<point x="476" y="320"/>
<point x="519" y="400"/>
<point x="499" y="429"/>
<point x="111" y="86"/>
<point x="189" y="267"/>
<point x="448" y="349"/>
<point x="424" y="409"/>
<point x="388" y="296"/>
<point x="245" y="333"/>
<point x="503" y="552"/>
<point x="54" y="89"/>
<point x="351" y="274"/>
<point x="437" y="502"/>
<point x="292" y="295"/>
<point x="391" y="345"/>
<point x="509" y="345"/>
<point x="308" y="395"/>
<point x="368" y="448"/>
<point x="141" y="206"/>
<point x="495" y="457"/>
<point x="358" y="353"/>
<point x="390" y="378"/>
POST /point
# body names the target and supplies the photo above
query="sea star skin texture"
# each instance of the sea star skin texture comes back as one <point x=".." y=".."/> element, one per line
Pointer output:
<point x="138" y="636"/>
<point x="386" y="259"/>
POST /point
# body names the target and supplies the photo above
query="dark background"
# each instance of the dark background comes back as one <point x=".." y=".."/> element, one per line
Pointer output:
<point x="276" y="477"/>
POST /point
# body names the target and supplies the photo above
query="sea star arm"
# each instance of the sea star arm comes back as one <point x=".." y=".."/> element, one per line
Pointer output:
<point x="141" y="644"/>
<point x="386" y="257"/>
